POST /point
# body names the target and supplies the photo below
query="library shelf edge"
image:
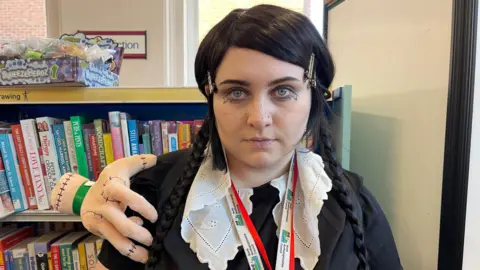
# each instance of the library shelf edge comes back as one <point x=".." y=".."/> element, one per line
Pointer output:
<point x="40" y="216"/>
<point x="65" y="95"/>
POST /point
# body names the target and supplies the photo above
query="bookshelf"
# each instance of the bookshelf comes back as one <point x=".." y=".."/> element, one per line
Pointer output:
<point x="62" y="102"/>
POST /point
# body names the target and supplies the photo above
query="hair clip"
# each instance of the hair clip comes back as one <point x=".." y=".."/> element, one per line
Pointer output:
<point x="210" y="84"/>
<point x="311" y="74"/>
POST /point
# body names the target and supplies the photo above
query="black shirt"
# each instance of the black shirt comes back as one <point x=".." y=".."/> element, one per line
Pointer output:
<point x="336" y="234"/>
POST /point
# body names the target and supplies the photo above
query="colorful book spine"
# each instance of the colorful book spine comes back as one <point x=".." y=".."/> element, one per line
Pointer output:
<point x="133" y="137"/>
<point x="184" y="135"/>
<point x="6" y="206"/>
<point x="172" y="136"/>
<point x="23" y="166"/>
<point x="62" y="149"/>
<point x="50" y="156"/>
<point x="10" y="163"/>
<point x="88" y="129"/>
<point x="100" y="128"/>
<point x="32" y="262"/>
<point x="146" y="139"/>
<point x="77" y="131"/>
<point x="124" y="117"/>
<point x="72" y="156"/>
<point x="165" y="139"/>
<point x="97" y="168"/>
<point x="34" y="157"/>
<point x="116" y="131"/>
<point x="107" y="144"/>
<point x="75" y="259"/>
<point x="156" y="133"/>
<point x="82" y="256"/>
<point x="56" y="257"/>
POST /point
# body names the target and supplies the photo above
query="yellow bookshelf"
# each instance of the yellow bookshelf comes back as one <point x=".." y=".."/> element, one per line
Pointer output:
<point x="59" y="95"/>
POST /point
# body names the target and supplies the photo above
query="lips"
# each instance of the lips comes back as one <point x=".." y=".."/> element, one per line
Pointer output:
<point x="259" y="142"/>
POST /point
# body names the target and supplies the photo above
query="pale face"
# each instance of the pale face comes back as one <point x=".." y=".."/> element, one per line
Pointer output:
<point x="262" y="107"/>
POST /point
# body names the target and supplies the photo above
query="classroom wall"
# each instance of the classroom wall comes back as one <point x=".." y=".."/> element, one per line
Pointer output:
<point x="396" y="55"/>
<point x="117" y="15"/>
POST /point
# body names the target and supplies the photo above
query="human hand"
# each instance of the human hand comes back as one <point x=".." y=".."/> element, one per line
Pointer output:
<point x="102" y="204"/>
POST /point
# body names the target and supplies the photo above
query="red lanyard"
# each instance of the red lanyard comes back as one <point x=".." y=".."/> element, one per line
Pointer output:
<point x="253" y="231"/>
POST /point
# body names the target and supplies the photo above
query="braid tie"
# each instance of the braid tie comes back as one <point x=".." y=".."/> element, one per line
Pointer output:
<point x="335" y="171"/>
<point x="178" y="195"/>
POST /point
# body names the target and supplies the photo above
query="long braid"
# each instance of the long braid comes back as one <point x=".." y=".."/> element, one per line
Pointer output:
<point x="179" y="194"/>
<point x="342" y="193"/>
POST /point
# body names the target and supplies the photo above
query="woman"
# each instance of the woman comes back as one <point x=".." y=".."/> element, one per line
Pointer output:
<point x="246" y="195"/>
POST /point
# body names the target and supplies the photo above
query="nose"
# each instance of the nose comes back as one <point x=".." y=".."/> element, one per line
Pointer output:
<point x="259" y="114"/>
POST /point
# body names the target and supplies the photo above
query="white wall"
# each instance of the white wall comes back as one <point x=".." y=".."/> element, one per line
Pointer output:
<point x="396" y="55"/>
<point x="471" y="260"/>
<point x="67" y="16"/>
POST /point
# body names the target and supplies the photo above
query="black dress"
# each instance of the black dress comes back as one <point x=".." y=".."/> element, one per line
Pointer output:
<point x="336" y="234"/>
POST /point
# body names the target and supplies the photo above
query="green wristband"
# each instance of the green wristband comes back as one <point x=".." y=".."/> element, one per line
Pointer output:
<point x="80" y="196"/>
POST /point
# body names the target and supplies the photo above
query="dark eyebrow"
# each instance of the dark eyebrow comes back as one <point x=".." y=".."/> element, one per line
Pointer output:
<point x="274" y="82"/>
<point x="281" y="80"/>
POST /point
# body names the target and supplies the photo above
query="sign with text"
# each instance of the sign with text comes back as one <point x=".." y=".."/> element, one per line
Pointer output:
<point x="134" y="42"/>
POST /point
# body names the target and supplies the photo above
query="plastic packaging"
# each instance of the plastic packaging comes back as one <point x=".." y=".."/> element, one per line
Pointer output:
<point x="38" y="48"/>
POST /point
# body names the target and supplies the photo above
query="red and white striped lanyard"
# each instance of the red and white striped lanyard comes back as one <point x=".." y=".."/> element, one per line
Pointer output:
<point x="252" y="244"/>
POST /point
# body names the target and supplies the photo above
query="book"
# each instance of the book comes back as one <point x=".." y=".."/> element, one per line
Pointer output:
<point x="116" y="131"/>
<point x="6" y="206"/>
<point x="78" y="140"/>
<point x="72" y="156"/>
<point x="23" y="166"/>
<point x="10" y="163"/>
<point x="50" y="155"/>
<point x="124" y="117"/>
<point x="62" y="149"/>
<point x="133" y="137"/>
<point x="101" y="128"/>
<point x="35" y="162"/>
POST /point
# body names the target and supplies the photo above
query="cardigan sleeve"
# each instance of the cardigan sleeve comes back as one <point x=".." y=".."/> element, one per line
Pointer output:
<point x="379" y="238"/>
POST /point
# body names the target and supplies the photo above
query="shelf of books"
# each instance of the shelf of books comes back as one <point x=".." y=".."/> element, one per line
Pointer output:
<point x="38" y="128"/>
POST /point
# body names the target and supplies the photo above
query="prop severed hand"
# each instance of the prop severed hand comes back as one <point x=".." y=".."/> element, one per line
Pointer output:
<point x="102" y="204"/>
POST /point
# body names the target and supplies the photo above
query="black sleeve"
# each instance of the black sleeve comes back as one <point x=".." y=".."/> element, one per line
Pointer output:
<point x="152" y="185"/>
<point x="379" y="239"/>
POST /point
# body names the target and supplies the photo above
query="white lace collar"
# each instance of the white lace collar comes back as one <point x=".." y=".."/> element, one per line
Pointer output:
<point x="207" y="225"/>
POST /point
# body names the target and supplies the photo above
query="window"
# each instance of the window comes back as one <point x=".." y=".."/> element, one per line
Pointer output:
<point x="211" y="12"/>
<point x="22" y="19"/>
<point x="187" y="22"/>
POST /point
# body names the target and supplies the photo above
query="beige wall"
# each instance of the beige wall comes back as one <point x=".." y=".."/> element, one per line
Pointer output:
<point x="117" y="15"/>
<point x="396" y="55"/>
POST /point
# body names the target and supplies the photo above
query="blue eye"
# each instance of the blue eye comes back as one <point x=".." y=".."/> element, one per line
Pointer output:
<point x="284" y="93"/>
<point x="236" y="94"/>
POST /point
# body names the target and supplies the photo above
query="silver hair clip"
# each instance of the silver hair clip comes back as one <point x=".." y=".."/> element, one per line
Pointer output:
<point x="210" y="83"/>
<point x="311" y="74"/>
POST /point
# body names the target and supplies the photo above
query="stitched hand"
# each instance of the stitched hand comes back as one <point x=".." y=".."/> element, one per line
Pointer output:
<point x="103" y="208"/>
